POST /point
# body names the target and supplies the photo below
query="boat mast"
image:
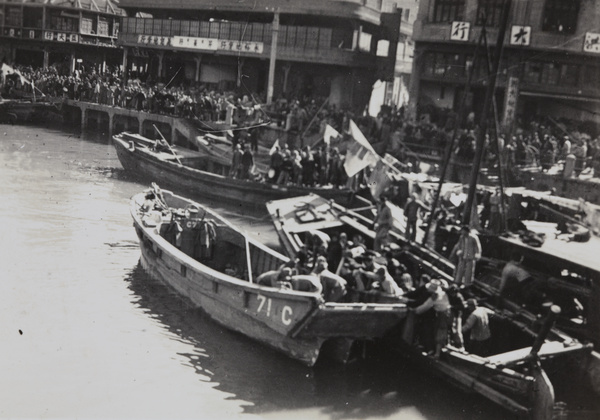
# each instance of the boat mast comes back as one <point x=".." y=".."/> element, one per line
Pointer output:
<point x="489" y="95"/>
<point x="457" y="124"/>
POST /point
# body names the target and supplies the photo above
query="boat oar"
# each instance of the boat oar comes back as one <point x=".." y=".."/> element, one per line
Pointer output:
<point x="165" y="140"/>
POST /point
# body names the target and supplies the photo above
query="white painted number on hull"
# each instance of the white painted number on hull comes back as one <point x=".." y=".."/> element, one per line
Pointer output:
<point x="286" y="313"/>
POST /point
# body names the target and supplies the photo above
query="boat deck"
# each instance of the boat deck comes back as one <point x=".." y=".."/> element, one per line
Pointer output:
<point x="581" y="253"/>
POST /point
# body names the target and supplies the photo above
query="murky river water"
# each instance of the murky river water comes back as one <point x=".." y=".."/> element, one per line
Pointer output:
<point x="84" y="333"/>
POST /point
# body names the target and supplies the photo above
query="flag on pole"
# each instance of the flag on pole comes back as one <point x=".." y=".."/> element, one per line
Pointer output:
<point x="6" y="70"/>
<point x="329" y="133"/>
<point x="274" y="147"/>
<point x="360" y="153"/>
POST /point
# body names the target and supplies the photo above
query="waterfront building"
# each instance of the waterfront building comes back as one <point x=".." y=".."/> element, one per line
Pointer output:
<point x="330" y="49"/>
<point x="72" y="33"/>
<point x="550" y="66"/>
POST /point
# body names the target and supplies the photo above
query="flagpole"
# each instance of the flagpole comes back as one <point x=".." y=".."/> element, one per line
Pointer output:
<point x="311" y="121"/>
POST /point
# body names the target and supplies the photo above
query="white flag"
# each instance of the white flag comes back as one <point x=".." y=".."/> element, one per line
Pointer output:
<point x="329" y="133"/>
<point x="274" y="147"/>
<point x="360" y="153"/>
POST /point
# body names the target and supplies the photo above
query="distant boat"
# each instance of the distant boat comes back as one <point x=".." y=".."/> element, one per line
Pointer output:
<point x="198" y="173"/>
<point x="530" y="360"/>
<point x="19" y="111"/>
<point x="220" y="279"/>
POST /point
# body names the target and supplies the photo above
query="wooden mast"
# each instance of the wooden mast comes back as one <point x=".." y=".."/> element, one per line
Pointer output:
<point x="450" y="144"/>
<point x="489" y="95"/>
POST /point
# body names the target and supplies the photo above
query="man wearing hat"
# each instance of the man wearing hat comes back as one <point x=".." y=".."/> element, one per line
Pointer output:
<point x="467" y="250"/>
<point x="478" y="323"/>
<point x="438" y="302"/>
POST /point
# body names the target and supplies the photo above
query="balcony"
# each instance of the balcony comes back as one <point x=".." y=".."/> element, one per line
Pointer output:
<point x="295" y="43"/>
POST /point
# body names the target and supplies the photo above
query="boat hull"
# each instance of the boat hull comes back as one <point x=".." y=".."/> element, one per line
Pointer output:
<point x="293" y="322"/>
<point x="142" y="163"/>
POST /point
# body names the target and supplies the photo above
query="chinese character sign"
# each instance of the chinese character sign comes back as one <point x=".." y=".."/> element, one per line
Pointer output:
<point x="510" y="101"/>
<point x="194" y="43"/>
<point x="520" y="35"/>
<point x="591" y="43"/>
<point x="460" y="31"/>
<point x="213" y="44"/>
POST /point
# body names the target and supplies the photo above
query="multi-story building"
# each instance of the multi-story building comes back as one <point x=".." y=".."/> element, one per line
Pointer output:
<point x="296" y="49"/>
<point x="550" y="65"/>
<point x="47" y="32"/>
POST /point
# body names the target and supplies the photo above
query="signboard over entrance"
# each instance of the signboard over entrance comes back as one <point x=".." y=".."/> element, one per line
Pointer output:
<point x="206" y="44"/>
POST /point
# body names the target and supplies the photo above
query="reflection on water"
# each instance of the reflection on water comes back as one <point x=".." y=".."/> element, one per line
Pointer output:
<point x="378" y="387"/>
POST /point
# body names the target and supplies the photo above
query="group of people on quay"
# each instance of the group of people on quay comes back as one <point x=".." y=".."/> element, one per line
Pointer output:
<point x="538" y="143"/>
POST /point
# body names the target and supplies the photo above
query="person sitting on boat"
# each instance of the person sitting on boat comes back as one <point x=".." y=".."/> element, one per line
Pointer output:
<point x="387" y="284"/>
<point x="406" y="282"/>
<point x="317" y="243"/>
<point x="281" y="278"/>
<point x="161" y="145"/>
<point x="307" y="283"/>
<point x="439" y="303"/>
<point x="334" y="286"/>
<point x="467" y="250"/>
<point x="478" y="326"/>
<point x="365" y="276"/>
<point x="149" y="202"/>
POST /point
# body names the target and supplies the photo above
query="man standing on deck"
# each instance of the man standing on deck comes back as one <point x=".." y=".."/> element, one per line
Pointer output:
<point x="247" y="163"/>
<point x="411" y="213"/>
<point x="383" y="225"/>
<point x="478" y="323"/>
<point x="467" y="250"/>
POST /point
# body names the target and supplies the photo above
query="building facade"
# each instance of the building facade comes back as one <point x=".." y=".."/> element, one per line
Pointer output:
<point x="550" y="64"/>
<point x="310" y="49"/>
<point x="58" y="32"/>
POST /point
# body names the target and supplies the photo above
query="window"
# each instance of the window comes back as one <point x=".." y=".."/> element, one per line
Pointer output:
<point x="491" y="10"/>
<point x="550" y="73"/>
<point x="591" y="76"/>
<point x="560" y="16"/>
<point x="533" y="72"/>
<point x="448" y="10"/>
<point x="569" y="75"/>
<point x="444" y="65"/>
<point x="14" y="16"/>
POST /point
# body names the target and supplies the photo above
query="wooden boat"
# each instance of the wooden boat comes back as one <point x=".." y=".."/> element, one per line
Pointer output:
<point x="564" y="264"/>
<point x="197" y="173"/>
<point x="220" y="279"/>
<point x="16" y="110"/>
<point x="533" y="364"/>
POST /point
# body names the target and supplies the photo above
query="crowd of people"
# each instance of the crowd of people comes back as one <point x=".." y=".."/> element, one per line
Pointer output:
<point x="538" y="143"/>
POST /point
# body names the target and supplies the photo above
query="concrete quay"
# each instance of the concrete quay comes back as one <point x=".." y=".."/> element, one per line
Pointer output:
<point x="114" y="120"/>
